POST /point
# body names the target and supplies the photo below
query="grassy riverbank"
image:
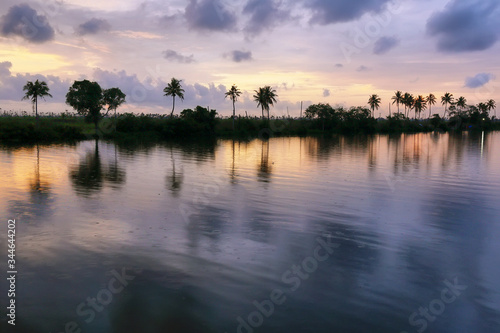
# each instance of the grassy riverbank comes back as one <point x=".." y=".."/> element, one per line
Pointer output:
<point x="201" y="123"/>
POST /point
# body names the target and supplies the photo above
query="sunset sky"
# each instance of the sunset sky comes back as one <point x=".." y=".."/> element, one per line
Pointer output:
<point x="328" y="51"/>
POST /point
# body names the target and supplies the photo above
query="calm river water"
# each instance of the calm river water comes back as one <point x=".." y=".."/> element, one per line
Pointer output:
<point x="363" y="234"/>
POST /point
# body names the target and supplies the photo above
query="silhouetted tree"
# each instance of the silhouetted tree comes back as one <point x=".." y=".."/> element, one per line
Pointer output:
<point x="87" y="99"/>
<point x="492" y="106"/>
<point x="374" y="102"/>
<point x="35" y="90"/>
<point x="420" y="104"/>
<point x="113" y="98"/>
<point x="233" y="95"/>
<point x="446" y="100"/>
<point x="431" y="100"/>
<point x="408" y="103"/>
<point x="397" y="98"/>
<point x="265" y="97"/>
<point x="174" y="89"/>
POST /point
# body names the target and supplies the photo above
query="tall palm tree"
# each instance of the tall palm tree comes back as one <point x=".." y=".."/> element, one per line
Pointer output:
<point x="397" y="98"/>
<point x="431" y="100"/>
<point x="461" y="102"/>
<point x="174" y="89"/>
<point x="265" y="97"/>
<point x="420" y="104"/>
<point x="446" y="99"/>
<point x="492" y="105"/>
<point x="408" y="103"/>
<point x="233" y="94"/>
<point x="374" y="102"/>
<point x="35" y="90"/>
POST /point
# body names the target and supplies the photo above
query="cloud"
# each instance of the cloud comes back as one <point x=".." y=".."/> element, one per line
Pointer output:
<point x="478" y="80"/>
<point x="326" y="92"/>
<point x="12" y="85"/>
<point x="465" y="25"/>
<point x="92" y="27"/>
<point x="175" y="56"/>
<point x="362" y="68"/>
<point x="22" y="20"/>
<point x="209" y="15"/>
<point x="339" y="65"/>
<point x="240" y="56"/>
<point x="334" y="11"/>
<point x="385" y="44"/>
<point x="264" y="14"/>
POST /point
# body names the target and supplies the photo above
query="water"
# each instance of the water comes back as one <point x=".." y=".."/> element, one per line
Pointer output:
<point x="364" y="234"/>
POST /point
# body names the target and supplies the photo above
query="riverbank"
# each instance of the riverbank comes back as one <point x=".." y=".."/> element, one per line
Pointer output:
<point x="66" y="127"/>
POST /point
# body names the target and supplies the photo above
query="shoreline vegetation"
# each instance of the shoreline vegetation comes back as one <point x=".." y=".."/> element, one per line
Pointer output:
<point x="89" y="100"/>
<point x="202" y="123"/>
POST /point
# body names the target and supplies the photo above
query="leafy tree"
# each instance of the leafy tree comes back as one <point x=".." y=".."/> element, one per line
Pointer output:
<point x="265" y="97"/>
<point x="397" y="98"/>
<point x="233" y="95"/>
<point x="431" y="100"/>
<point x="323" y="112"/>
<point x="419" y="104"/>
<point x="374" y="102"/>
<point x="174" y="89"/>
<point x="113" y="98"/>
<point x="34" y="91"/>
<point x="446" y="99"/>
<point x="87" y="99"/>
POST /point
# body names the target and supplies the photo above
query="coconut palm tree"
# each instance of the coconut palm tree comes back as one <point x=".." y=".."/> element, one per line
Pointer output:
<point x="431" y="100"/>
<point x="265" y="97"/>
<point x="397" y="98"/>
<point x="408" y="103"/>
<point x="461" y="103"/>
<point x="446" y="99"/>
<point x="174" y="89"/>
<point x="35" y="90"/>
<point x="233" y="94"/>
<point x="374" y="102"/>
<point x="419" y="104"/>
<point x="492" y="105"/>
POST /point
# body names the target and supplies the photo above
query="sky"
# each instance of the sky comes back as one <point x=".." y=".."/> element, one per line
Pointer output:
<point x="311" y="51"/>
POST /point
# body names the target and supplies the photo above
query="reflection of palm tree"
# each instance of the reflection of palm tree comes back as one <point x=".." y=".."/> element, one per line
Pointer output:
<point x="174" y="180"/>
<point x="264" y="168"/>
<point x="233" y="170"/>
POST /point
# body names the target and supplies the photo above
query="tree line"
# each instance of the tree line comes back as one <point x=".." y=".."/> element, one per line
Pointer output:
<point x="89" y="99"/>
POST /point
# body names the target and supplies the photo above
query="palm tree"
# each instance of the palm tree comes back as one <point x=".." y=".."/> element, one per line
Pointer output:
<point x="233" y="94"/>
<point x="420" y="104"/>
<point x="492" y="105"/>
<point x="461" y="102"/>
<point x="431" y="100"/>
<point x="265" y="97"/>
<point x="446" y="99"/>
<point x="397" y="98"/>
<point x="374" y="102"/>
<point x="174" y="89"/>
<point x="35" y="90"/>
<point x="408" y="103"/>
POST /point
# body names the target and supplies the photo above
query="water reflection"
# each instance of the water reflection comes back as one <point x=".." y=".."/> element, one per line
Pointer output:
<point x="404" y="213"/>
<point x="89" y="176"/>
<point x="265" y="168"/>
